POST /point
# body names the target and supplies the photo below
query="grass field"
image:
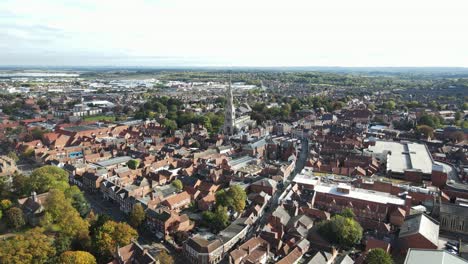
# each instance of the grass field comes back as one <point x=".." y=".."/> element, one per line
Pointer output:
<point x="99" y="118"/>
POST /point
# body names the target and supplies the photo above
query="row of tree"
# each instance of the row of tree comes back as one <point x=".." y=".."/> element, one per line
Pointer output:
<point x="67" y="232"/>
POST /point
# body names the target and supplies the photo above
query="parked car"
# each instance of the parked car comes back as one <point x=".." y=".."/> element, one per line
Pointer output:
<point x="451" y="247"/>
<point x="453" y="243"/>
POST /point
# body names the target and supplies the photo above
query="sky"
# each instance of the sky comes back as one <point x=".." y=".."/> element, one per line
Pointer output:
<point x="253" y="33"/>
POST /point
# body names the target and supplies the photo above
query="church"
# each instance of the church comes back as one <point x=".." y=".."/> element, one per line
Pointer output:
<point x="236" y="119"/>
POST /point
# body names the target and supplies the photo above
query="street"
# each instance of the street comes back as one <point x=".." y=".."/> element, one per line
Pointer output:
<point x="300" y="163"/>
<point x="101" y="206"/>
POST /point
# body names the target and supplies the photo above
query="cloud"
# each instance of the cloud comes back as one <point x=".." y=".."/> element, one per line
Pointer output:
<point x="242" y="32"/>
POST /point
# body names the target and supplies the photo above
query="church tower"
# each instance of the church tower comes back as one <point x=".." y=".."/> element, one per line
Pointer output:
<point x="229" y="113"/>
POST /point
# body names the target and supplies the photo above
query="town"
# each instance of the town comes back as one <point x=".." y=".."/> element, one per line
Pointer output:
<point x="238" y="167"/>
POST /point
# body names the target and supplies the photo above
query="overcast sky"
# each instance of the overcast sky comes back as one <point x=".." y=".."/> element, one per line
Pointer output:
<point x="234" y="33"/>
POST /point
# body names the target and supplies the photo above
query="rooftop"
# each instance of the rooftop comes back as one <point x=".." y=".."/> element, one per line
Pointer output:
<point x="80" y="128"/>
<point x="403" y="156"/>
<point x="360" y="194"/>
<point x="423" y="225"/>
<point x="416" y="256"/>
<point x="114" y="161"/>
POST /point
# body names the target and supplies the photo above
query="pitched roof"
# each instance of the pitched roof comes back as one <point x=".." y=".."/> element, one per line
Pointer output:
<point x="416" y="256"/>
<point x="422" y="224"/>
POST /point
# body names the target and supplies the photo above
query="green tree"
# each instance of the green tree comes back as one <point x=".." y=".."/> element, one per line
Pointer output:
<point x="37" y="133"/>
<point x="133" y="164"/>
<point x="62" y="243"/>
<point x="378" y="256"/>
<point x="217" y="220"/>
<point x="342" y="230"/>
<point x="13" y="156"/>
<point x="171" y="125"/>
<point x="111" y="234"/>
<point x="21" y="185"/>
<point x="348" y="213"/>
<point x="27" y="153"/>
<point x="178" y="184"/>
<point x="137" y="216"/>
<point x="79" y="202"/>
<point x="234" y="198"/>
<point x="15" y="218"/>
<point x="429" y="120"/>
<point x="48" y="177"/>
<point x="77" y="257"/>
<point x="32" y="247"/>
<point x="165" y="258"/>
<point x="390" y="105"/>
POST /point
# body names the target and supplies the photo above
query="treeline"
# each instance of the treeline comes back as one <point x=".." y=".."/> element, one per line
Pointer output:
<point x="172" y="115"/>
<point x="287" y="106"/>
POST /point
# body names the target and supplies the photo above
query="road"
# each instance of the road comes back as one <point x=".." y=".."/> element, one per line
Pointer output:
<point x="100" y="206"/>
<point x="300" y="163"/>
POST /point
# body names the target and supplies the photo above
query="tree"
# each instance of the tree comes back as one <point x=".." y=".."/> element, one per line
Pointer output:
<point x="79" y="202"/>
<point x="32" y="247"/>
<point x="217" y="220"/>
<point x="15" y="217"/>
<point x="37" y="133"/>
<point x="180" y="237"/>
<point x="111" y="234"/>
<point x="77" y="257"/>
<point x="457" y="136"/>
<point x="169" y="124"/>
<point x="426" y="131"/>
<point x="62" y="243"/>
<point x="133" y="164"/>
<point x="390" y="105"/>
<point x="60" y="212"/>
<point x="165" y="258"/>
<point x="27" y="153"/>
<point x="5" y="204"/>
<point x="48" y="177"/>
<point x="195" y="144"/>
<point x="238" y="197"/>
<point x="348" y="213"/>
<point x="378" y="256"/>
<point x="178" y="184"/>
<point x="13" y="156"/>
<point x="137" y="216"/>
<point x="21" y="185"/>
<point x="429" y="120"/>
<point x="342" y="230"/>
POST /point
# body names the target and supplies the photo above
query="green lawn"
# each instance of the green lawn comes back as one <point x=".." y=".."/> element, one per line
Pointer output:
<point x="100" y="118"/>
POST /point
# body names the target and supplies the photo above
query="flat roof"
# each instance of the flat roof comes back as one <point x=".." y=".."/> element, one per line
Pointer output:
<point x="80" y="128"/>
<point x="403" y="156"/>
<point x="360" y="194"/>
<point x="114" y="161"/>
<point x="306" y="176"/>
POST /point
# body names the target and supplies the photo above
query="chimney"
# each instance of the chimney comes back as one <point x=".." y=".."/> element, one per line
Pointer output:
<point x="34" y="196"/>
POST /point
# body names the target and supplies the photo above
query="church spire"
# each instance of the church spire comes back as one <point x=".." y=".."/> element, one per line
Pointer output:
<point x="229" y="111"/>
